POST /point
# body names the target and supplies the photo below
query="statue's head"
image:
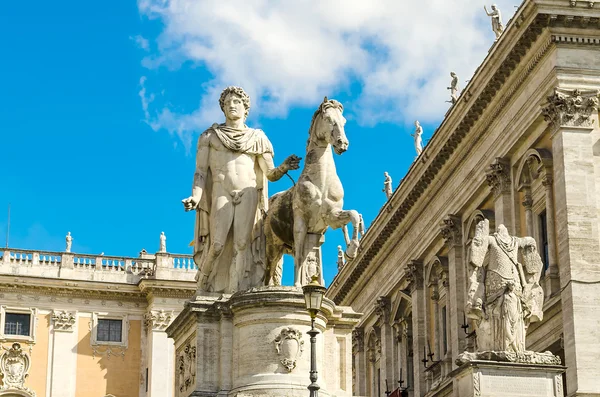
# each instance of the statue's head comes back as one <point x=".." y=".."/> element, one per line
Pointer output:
<point x="233" y="101"/>
<point x="502" y="231"/>
<point x="339" y="247"/>
<point x="494" y="6"/>
<point x="417" y="123"/>
<point x="385" y="174"/>
<point x="453" y="74"/>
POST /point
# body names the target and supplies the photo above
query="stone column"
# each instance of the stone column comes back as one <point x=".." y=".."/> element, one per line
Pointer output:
<point x="64" y="360"/>
<point x="418" y="298"/>
<point x="360" y="362"/>
<point x="552" y="277"/>
<point x="498" y="178"/>
<point x="528" y="204"/>
<point x="382" y="310"/>
<point x="161" y="353"/>
<point x="572" y="115"/>
<point x="452" y="233"/>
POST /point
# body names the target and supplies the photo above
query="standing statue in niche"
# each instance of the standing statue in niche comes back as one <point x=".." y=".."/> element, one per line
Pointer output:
<point x="504" y="296"/>
<point x="453" y="88"/>
<point x="229" y="194"/>
<point x="69" y="241"/>
<point x="418" y="138"/>
<point x="387" y="185"/>
<point x="497" y="26"/>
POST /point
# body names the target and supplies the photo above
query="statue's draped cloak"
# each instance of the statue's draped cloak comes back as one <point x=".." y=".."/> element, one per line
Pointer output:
<point x="249" y="141"/>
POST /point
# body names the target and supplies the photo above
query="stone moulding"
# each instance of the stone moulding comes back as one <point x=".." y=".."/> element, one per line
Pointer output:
<point x="525" y="357"/>
<point x="290" y="345"/>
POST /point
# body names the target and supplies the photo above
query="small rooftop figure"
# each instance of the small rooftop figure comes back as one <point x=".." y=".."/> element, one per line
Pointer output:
<point x="361" y="226"/>
<point x="453" y="88"/>
<point x="387" y="185"/>
<point x="497" y="26"/>
<point x="69" y="241"/>
<point x="163" y="242"/>
<point x="340" y="259"/>
<point x="418" y="138"/>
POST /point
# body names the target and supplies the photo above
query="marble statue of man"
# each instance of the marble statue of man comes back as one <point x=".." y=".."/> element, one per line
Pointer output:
<point x="229" y="194"/>
<point x="163" y="242"/>
<point x="69" y="241"/>
<point x="387" y="185"/>
<point x="497" y="25"/>
<point x="453" y="88"/>
<point x="340" y="258"/>
<point x="418" y="138"/>
<point x="504" y="296"/>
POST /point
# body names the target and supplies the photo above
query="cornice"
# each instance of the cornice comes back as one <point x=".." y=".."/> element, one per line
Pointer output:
<point x="464" y="114"/>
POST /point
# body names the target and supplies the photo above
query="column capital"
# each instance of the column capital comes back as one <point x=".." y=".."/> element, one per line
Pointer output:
<point x="382" y="308"/>
<point x="527" y="201"/>
<point x="158" y="320"/>
<point x="64" y="320"/>
<point x="415" y="275"/>
<point x="358" y="339"/>
<point x="547" y="180"/>
<point x="497" y="176"/>
<point x="451" y="230"/>
<point x="571" y="107"/>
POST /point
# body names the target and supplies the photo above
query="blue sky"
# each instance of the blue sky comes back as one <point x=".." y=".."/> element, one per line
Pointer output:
<point x="102" y="103"/>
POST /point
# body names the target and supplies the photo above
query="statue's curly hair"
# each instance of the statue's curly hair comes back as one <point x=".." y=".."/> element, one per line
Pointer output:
<point x="239" y="91"/>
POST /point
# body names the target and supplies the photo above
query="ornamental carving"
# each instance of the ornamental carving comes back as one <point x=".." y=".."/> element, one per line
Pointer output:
<point x="289" y="345"/>
<point x="186" y="368"/>
<point x="414" y="275"/>
<point x="358" y="339"/>
<point x="450" y="230"/>
<point x="158" y="320"/>
<point x="571" y="108"/>
<point x="498" y="176"/>
<point x="14" y="368"/>
<point x="63" y="320"/>
<point x="382" y="307"/>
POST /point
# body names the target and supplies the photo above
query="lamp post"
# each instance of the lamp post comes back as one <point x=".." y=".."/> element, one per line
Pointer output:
<point x="313" y="296"/>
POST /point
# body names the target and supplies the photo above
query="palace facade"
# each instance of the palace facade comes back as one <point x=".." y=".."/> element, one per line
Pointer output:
<point x="520" y="147"/>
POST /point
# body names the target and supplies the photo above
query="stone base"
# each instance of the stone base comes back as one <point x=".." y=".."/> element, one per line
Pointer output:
<point x="502" y="379"/>
<point x="254" y="344"/>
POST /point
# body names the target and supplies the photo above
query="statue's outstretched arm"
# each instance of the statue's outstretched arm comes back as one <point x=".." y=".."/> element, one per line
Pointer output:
<point x="265" y="161"/>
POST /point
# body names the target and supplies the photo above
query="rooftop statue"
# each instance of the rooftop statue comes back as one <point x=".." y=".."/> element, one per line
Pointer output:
<point x="298" y="218"/>
<point x="418" y="138"/>
<point x="497" y="26"/>
<point x="229" y="193"/>
<point x="69" y="242"/>
<point x="387" y="185"/>
<point x="453" y="88"/>
<point x="163" y="243"/>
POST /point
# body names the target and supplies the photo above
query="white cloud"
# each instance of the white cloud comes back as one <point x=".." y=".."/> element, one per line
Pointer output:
<point x="141" y="42"/>
<point x="290" y="53"/>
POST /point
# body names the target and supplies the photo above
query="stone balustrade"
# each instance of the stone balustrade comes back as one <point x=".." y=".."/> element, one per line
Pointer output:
<point x="67" y="265"/>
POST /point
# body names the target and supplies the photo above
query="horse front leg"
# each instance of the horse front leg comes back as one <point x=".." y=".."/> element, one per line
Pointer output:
<point x="299" y="237"/>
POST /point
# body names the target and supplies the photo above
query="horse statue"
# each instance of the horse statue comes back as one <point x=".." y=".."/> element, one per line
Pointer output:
<point x="314" y="203"/>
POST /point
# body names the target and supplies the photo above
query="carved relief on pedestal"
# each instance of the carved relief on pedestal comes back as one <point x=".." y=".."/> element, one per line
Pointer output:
<point x="571" y="108"/>
<point x="14" y="368"/>
<point x="289" y="345"/>
<point x="63" y="320"/>
<point x="498" y="176"/>
<point x="158" y="320"/>
<point x="186" y="367"/>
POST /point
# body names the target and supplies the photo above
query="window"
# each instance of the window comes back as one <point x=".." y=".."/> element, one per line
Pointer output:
<point x="17" y="324"/>
<point x="109" y="330"/>
<point x="544" y="240"/>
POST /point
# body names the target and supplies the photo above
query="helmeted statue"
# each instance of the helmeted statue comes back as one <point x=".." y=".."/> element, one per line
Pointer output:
<point x="504" y="296"/>
<point x="229" y="193"/>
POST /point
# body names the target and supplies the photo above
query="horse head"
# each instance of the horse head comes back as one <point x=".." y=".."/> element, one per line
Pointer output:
<point x="328" y="126"/>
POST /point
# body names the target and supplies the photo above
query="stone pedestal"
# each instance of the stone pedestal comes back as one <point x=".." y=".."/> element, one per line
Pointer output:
<point x="254" y="344"/>
<point x="495" y="379"/>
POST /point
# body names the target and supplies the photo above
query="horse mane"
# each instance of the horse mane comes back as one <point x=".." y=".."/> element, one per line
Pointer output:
<point x="330" y="103"/>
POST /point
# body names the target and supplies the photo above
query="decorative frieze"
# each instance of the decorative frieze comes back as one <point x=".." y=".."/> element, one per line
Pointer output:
<point x="498" y="176"/>
<point x="451" y="230"/>
<point x="63" y="320"/>
<point x="289" y="346"/>
<point x="14" y="367"/>
<point x="158" y="320"/>
<point x="571" y="108"/>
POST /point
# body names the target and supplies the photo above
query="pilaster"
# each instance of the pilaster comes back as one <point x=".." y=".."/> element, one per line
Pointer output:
<point x="360" y="362"/>
<point x="382" y="310"/>
<point x="161" y="352"/>
<point x="64" y="359"/>
<point x="418" y="298"/>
